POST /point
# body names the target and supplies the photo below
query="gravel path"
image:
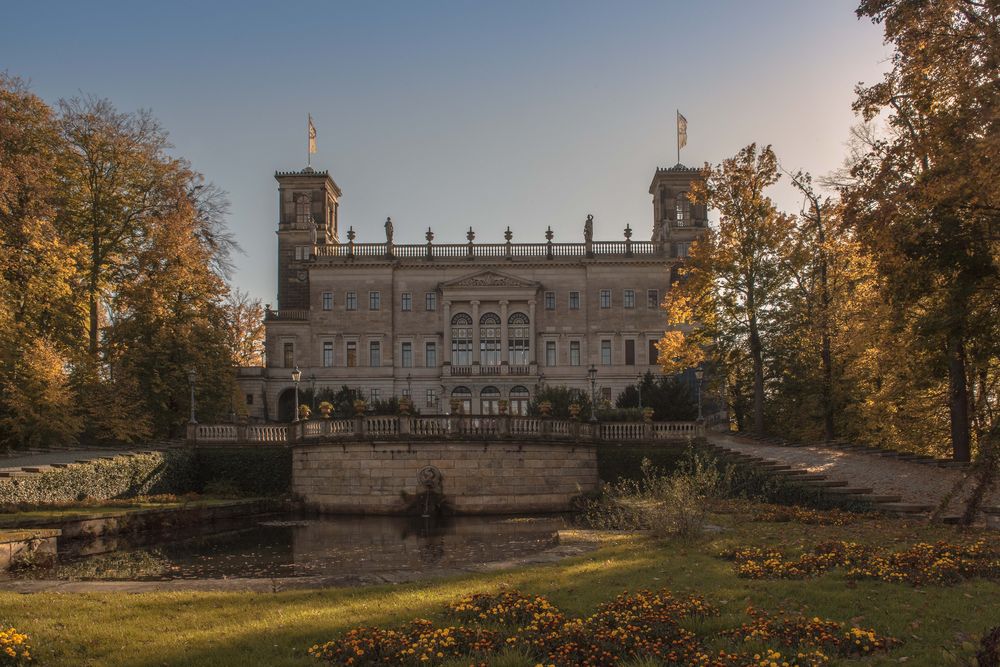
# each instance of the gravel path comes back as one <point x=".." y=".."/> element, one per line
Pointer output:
<point x="914" y="482"/>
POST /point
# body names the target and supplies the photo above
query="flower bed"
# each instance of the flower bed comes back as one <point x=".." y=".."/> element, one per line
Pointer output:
<point x="14" y="647"/>
<point x="939" y="563"/>
<point x="633" y="626"/>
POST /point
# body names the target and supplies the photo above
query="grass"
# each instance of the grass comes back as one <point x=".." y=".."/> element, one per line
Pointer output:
<point x="939" y="625"/>
<point x="12" y="517"/>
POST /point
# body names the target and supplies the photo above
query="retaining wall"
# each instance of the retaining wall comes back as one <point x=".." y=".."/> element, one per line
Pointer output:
<point x="475" y="477"/>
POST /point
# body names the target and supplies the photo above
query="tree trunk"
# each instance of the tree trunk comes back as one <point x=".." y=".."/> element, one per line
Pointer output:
<point x="758" y="372"/>
<point x="828" y="430"/>
<point x="958" y="399"/>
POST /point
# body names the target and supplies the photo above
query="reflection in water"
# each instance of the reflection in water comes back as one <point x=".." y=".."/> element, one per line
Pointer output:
<point x="315" y="546"/>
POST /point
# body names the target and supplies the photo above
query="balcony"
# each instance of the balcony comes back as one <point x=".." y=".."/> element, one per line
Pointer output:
<point x="492" y="371"/>
<point x="287" y="315"/>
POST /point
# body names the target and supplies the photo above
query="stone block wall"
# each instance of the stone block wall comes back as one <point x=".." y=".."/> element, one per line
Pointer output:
<point x="476" y="477"/>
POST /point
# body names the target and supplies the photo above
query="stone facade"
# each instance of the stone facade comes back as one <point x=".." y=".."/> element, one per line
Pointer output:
<point x="475" y="477"/>
<point x="475" y="321"/>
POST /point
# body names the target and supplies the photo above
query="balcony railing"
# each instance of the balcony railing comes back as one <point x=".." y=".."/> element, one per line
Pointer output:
<point x="287" y="315"/>
<point x="430" y="251"/>
<point x="395" y="427"/>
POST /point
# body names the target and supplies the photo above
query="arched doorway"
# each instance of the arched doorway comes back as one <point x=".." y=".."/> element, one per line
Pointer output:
<point x="489" y="401"/>
<point x="519" y="401"/>
<point x="286" y="405"/>
<point x="464" y="396"/>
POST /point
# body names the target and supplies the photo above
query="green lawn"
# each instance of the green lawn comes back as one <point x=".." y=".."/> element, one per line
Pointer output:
<point x="939" y="625"/>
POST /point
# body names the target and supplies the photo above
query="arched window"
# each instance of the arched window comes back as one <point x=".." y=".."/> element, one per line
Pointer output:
<point x="489" y="339"/>
<point x="303" y="210"/>
<point x="464" y="398"/>
<point x="518" y="342"/>
<point x="519" y="400"/>
<point x="683" y="206"/>
<point x="489" y="400"/>
<point x="461" y="340"/>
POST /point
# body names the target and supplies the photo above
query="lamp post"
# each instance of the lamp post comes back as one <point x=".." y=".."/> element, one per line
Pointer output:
<point x="592" y="375"/>
<point x="312" y="388"/>
<point x="698" y="375"/>
<point x="409" y="386"/>
<point x="296" y="376"/>
<point x="638" y="386"/>
<point x="191" y="378"/>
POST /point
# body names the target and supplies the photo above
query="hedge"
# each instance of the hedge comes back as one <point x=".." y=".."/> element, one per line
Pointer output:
<point x="248" y="470"/>
<point x="624" y="461"/>
<point x="170" y="471"/>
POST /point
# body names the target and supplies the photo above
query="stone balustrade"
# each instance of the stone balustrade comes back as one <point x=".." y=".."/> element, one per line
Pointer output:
<point x="391" y="427"/>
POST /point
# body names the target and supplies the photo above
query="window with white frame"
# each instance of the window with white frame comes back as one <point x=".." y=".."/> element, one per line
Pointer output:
<point x="489" y="339"/>
<point x="406" y="302"/>
<point x="550" y="353"/>
<point x="406" y="355"/>
<point x="374" y="300"/>
<point x="605" y="352"/>
<point x="550" y="301"/>
<point x="327" y="300"/>
<point x="628" y="298"/>
<point x="574" y="353"/>
<point x="431" y="398"/>
<point x="519" y="401"/>
<point x="374" y="354"/>
<point x="652" y="298"/>
<point x="574" y="301"/>
<point x="605" y="298"/>
<point x="518" y="339"/>
<point x="430" y="301"/>
<point x="351" y="301"/>
<point x="461" y="339"/>
<point x="430" y="355"/>
<point x="328" y="353"/>
<point x="683" y="209"/>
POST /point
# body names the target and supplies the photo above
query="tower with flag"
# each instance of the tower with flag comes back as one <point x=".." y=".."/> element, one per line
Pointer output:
<point x="682" y="134"/>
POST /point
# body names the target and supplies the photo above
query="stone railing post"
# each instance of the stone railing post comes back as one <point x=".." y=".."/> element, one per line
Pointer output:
<point x="241" y="432"/>
<point x="326" y="427"/>
<point x="359" y="426"/>
<point x="546" y="427"/>
<point x="405" y="424"/>
<point x="647" y="431"/>
<point x="191" y="433"/>
<point x="504" y="425"/>
<point x="574" y="430"/>
<point x="292" y="433"/>
<point x="699" y="429"/>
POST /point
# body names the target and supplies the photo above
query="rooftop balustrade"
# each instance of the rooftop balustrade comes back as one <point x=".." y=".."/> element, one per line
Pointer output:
<point x="483" y="427"/>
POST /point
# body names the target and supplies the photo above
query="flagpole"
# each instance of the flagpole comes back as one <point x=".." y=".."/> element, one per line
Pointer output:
<point x="309" y="155"/>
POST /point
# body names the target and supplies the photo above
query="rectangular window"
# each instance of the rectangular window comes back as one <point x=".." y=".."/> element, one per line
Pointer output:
<point x="652" y="298"/>
<point x="249" y="399"/>
<point x="550" y="301"/>
<point x="375" y="395"/>
<point x="351" y="303"/>
<point x="431" y="301"/>
<point x="606" y="394"/>
<point x="630" y="353"/>
<point x="327" y="300"/>
<point x="374" y="300"/>
<point x="374" y="354"/>
<point x="550" y="353"/>
<point x="405" y="392"/>
<point x="682" y="249"/>
<point x="406" y="302"/>
<point x="431" y="400"/>
<point x="628" y="298"/>
<point x="430" y="355"/>
<point x="352" y="354"/>
<point x="574" y="353"/>
<point x="574" y="301"/>
<point x="605" y="352"/>
<point x="653" y="352"/>
<point x="289" y="350"/>
<point x="605" y="298"/>
<point x="328" y="353"/>
<point x="406" y="355"/>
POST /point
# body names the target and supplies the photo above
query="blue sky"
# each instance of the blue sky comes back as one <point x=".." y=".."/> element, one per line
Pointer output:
<point x="451" y="114"/>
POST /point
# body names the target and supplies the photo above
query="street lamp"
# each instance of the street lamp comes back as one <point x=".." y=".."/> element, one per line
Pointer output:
<point x="592" y="374"/>
<point x="698" y="375"/>
<point x="312" y="388"/>
<point x="296" y="376"/>
<point x="409" y="386"/>
<point x="191" y="378"/>
<point x="638" y="386"/>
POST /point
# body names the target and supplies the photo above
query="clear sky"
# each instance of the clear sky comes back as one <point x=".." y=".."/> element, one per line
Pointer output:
<point x="450" y="114"/>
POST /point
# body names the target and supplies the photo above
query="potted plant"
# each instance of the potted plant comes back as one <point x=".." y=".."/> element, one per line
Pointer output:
<point x="574" y="410"/>
<point x="545" y="407"/>
<point x="304" y="411"/>
<point x="325" y="409"/>
<point x="456" y="406"/>
<point x="502" y="406"/>
<point x="647" y="415"/>
<point x="360" y="406"/>
<point x="404" y="405"/>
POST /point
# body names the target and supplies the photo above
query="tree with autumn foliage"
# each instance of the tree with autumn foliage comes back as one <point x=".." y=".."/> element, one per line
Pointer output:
<point x="925" y="198"/>
<point x="727" y="297"/>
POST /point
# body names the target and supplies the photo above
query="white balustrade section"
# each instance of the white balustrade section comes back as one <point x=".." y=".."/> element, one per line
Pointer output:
<point x="216" y="432"/>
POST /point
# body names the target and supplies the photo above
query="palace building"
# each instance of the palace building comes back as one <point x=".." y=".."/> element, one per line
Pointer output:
<point x="474" y="321"/>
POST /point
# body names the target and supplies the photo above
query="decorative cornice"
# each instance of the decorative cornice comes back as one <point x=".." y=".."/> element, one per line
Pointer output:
<point x="488" y="279"/>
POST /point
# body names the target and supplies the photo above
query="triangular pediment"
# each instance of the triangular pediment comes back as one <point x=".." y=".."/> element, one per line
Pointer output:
<point x="489" y="279"/>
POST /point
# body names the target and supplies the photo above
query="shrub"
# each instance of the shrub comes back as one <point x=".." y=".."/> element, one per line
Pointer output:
<point x="989" y="649"/>
<point x="170" y="471"/>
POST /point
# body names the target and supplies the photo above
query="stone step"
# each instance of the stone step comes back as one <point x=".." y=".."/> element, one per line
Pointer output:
<point x="906" y="508"/>
<point x="14" y="473"/>
<point x="44" y="468"/>
<point x="850" y="491"/>
<point x="831" y="483"/>
<point x="810" y="478"/>
<point x="883" y="499"/>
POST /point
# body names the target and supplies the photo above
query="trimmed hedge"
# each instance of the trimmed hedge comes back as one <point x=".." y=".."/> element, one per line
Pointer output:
<point x="170" y="471"/>
<point x="624" y="461"/>
<point x="253" y="470"/>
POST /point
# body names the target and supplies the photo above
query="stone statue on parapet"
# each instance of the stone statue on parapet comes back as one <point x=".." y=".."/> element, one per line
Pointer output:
<point x="588" y="229"/>
<point x="388" y="231"/>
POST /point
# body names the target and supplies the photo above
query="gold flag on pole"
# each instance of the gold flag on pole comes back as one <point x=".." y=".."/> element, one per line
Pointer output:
<point x="682" y="134"/>
<point x="312" y="136"/>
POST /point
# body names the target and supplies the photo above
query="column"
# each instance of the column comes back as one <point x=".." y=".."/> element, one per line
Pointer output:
<point x="504" y="335"/>
<point x="446" y="352"/>
<point x="475" y="332"/>
<point x="532" y="342"/>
